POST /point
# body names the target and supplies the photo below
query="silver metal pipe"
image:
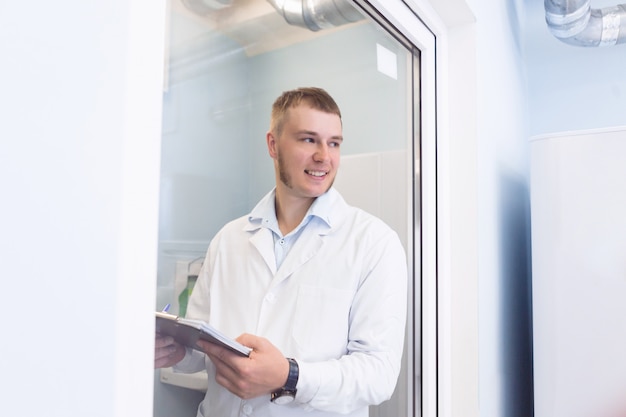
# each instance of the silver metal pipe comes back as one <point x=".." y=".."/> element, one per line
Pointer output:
<point x="317" y="14"/>
<point x="576" y="23"/>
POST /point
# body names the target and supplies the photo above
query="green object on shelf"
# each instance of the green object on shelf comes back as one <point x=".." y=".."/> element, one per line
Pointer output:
<point x="183" y="297"/>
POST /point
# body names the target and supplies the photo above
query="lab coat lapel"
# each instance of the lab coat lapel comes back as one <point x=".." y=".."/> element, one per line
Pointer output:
<point x="306" y="247"/>
<point x="263" y="241"/>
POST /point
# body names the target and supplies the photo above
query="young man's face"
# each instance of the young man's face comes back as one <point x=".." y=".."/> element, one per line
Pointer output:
<point x="306" y="155"/>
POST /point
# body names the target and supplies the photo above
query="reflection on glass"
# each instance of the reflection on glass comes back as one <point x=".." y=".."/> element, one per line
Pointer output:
<point x="227" y="61"/>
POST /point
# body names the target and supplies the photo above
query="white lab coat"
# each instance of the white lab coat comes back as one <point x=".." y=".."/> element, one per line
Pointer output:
<point x="337" y="304"/>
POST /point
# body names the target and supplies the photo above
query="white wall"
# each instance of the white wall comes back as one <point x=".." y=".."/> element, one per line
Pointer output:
<point x="505" y="338"/>
<point x="484" y="215"/>
<point x="570" y="87"/>
<point x="526" y="83"/>
<point x="79" y="156"/>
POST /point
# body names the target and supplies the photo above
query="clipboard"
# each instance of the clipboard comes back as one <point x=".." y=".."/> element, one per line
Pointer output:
<point x="188" y="331"/>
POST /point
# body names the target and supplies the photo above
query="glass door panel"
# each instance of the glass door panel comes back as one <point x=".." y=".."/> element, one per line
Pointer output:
<point x="226" y="63"/>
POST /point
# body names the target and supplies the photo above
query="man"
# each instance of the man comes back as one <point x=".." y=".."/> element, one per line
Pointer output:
<point x="315" y="287"/>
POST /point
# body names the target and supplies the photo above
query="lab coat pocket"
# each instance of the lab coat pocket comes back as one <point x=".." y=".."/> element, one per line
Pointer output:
<point x="321" y="322"/>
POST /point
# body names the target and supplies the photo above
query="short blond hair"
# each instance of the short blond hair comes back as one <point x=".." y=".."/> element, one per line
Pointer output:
<point x="316" y="97"/>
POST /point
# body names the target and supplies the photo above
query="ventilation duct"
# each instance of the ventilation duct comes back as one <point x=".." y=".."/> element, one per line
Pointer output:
<point x="317" y="14"/>
<point x="203" y="7"/>
<point x="576" y="23"/>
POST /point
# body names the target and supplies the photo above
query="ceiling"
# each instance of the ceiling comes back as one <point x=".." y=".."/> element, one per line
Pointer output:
<point x="254" y="24"/>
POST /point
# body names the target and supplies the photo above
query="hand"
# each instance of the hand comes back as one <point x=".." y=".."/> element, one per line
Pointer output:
<point x="264" y="371"/>
<point x="167" y="352"/>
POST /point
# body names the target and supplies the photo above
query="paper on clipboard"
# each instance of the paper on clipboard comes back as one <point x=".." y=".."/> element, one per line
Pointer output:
<point x="187" y="332"/>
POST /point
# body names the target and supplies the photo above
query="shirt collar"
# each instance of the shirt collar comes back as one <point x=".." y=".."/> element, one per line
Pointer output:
<point x="264" y="213"/>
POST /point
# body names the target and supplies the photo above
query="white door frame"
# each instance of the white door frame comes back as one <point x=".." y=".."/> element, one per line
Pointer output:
<point x="444" y="32"/>
<point x="430" y="34"/>
<point x="424" y="385"/>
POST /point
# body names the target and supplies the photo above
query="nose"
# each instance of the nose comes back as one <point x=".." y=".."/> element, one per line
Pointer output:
<point x="321" y="154"/>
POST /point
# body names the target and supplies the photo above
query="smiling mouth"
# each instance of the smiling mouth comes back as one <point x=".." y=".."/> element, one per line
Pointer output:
<point x="316" y="173"/>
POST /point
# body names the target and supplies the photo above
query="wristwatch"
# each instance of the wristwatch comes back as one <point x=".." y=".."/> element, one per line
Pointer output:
<point x="287" y="393"/>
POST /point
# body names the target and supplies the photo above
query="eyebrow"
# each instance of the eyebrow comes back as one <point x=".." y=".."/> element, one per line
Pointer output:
<point x="312" y="133"/>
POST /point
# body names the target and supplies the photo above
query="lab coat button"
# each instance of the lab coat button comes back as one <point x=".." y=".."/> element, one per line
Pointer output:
<point x="270" y="298"/>
<point x="247" y="409"/>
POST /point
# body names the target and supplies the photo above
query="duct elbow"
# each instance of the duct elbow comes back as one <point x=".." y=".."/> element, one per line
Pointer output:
<point x="575" y="23"/>
<point x="316" y="15"/>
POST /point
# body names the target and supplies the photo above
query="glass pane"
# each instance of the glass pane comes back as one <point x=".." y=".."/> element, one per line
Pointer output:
<point x="227" y="62"/>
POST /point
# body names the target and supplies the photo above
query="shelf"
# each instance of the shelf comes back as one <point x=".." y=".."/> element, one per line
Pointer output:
<point x="197" y="381"/>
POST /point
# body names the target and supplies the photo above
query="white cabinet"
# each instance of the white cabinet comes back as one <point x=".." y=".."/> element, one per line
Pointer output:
<point x="578" y="209"/>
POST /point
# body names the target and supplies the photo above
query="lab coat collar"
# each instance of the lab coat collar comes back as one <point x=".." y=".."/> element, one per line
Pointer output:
<point x="329" y="207"/>
<point x="328" y="210"/>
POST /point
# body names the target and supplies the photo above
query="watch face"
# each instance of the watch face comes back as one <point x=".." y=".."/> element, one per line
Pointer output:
<point x="283" y="397"/>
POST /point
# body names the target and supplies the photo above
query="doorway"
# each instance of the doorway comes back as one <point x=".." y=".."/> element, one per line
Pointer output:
<point x="226" y="61"/>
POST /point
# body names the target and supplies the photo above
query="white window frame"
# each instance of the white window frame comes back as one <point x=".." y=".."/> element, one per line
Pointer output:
<point x="424" y="385"/>
<point x="444" y="32"/>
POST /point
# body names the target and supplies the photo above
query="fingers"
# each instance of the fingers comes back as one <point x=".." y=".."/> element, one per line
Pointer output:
<point x="164" y="352"/>
<point x="167" y="352"/>
<point x="254" y="342"/>
<point x="169" y="356"/>
<point x="162" y="341"/>
<point x="231" y="370"/>
<point x="220" y="355"/>
<point x="227" y="376"/>
<point x="248" y="377"/>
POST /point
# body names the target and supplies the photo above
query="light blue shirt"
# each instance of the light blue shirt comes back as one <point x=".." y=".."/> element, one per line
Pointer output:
<point x="265" y="214"/>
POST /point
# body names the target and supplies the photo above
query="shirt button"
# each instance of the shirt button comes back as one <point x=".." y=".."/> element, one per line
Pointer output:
<point x="247" y="409"/>
<point x="270" y="298"/>
<point x="282" y="241"/>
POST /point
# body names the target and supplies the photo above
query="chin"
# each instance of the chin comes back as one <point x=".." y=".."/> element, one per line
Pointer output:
<point x="320" y="191"/>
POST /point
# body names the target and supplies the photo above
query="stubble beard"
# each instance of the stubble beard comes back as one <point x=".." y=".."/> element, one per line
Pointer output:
<point x="285" y="178"/>
<point x="282" y="173"/>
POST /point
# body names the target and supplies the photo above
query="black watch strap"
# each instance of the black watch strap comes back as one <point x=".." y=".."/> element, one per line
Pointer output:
<point x="287" y="393"/>
<point x="292" y="378"/>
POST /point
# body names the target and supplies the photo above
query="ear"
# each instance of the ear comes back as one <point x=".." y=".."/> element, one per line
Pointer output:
<point x="271" y="144"/>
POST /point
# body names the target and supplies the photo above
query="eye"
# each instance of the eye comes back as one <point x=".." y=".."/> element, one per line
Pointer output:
<point x="334" y="144"/>
<point x="308" y="140"/>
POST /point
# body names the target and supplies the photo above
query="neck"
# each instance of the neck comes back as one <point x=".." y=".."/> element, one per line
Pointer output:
<point x="290" y="211"/>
